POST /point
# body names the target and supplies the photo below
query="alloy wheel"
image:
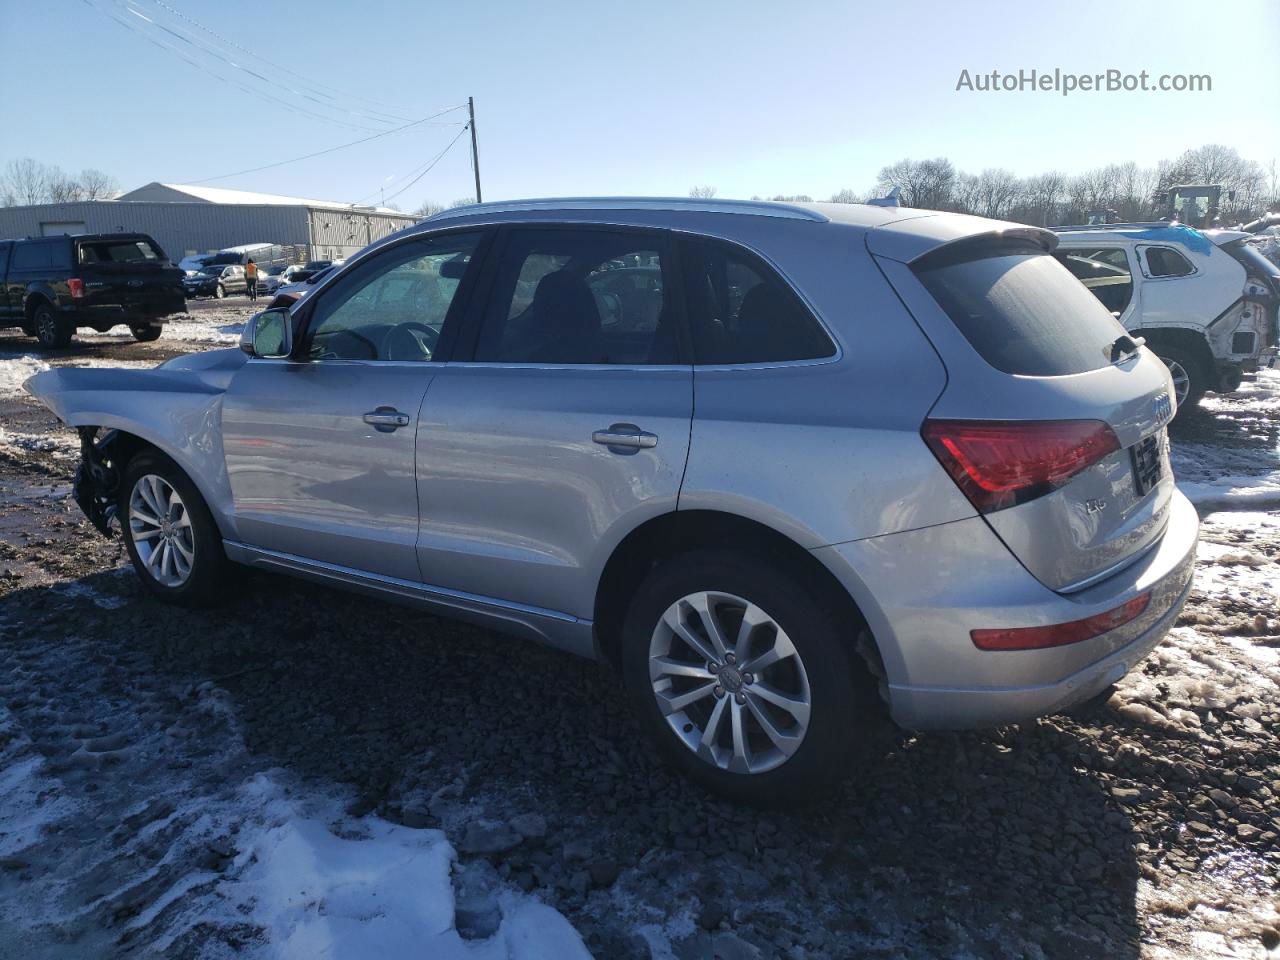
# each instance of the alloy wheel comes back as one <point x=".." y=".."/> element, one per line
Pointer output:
<point x="1181" y="379"/>
<point x="160" y="527"/>
<point x="729" y="682"/>
<point x="46" y="327"/>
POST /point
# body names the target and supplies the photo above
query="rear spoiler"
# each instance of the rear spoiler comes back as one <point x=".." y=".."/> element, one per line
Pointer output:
<point x="908" y="240"/>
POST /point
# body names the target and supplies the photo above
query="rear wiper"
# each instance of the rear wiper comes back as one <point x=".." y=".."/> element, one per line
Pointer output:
<point x="1124" y="345"/>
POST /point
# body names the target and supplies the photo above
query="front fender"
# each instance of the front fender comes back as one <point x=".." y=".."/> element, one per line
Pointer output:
<point x="177" y="411"/>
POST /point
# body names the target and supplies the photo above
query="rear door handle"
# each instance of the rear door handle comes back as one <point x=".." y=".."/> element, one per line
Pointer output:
<point x="386" y="419"/>
<point x="626" y="435"/>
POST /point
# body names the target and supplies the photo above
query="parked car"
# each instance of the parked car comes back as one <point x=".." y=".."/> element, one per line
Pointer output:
<point x="54" y="285"/>
<point x="192" y="265"/>
<point x="926" y="471"/>
<point x="216" y="280"/>
<point x="1206" y="302"/>
<point x="304" y="281"/>
<point x="277" y="277"/>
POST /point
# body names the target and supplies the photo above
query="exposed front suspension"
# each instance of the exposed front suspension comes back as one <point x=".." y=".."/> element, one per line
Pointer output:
<point x="97" y="480"/>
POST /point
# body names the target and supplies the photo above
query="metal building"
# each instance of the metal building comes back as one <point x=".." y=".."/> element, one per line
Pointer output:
<point x="186" y="220"/>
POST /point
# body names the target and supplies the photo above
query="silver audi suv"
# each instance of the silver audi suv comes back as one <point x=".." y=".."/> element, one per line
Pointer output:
<point x="791" y="469"/>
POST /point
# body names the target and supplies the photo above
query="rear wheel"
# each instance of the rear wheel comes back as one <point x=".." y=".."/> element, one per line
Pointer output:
<point x="145" y="334"/>
<point x="50" y="329"/>
<point x="746" y="677"/>
<point x="172" y="540"/>
<point x="1190" y="378"/>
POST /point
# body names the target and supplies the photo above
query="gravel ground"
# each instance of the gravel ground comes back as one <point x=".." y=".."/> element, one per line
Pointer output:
<point x="146" y="752"/>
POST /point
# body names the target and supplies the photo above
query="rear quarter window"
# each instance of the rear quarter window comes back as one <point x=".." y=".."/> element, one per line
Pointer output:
<point x="1020" y="309"/>
<point x="32" y="256"/>
<point x="1166" y="262"/>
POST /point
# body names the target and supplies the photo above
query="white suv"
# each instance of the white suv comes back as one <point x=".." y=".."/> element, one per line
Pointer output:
<point x="1205" y="301"/>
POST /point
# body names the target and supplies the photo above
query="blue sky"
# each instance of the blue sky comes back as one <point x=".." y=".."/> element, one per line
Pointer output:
<point x="625" y="97"/>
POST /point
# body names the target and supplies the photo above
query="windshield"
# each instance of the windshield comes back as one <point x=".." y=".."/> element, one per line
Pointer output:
<point x="1020" y="309"/>
<point x="120" y="251"/>
<point x="1247" y="252"/>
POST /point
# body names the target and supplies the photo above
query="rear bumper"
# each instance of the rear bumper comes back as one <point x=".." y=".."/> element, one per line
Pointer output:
<point x="922" y="595"/>
<point x="107" y="315"/>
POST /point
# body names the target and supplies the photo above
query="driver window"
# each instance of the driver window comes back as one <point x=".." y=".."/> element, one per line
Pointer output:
<point x="394" y="306"/>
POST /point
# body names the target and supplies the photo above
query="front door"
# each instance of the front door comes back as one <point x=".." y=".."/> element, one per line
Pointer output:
<point x="565" y="426"/>
<point x="320" y="449"/>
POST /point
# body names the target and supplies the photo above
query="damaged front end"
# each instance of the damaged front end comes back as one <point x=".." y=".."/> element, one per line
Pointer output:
<point x="97" y="482"/>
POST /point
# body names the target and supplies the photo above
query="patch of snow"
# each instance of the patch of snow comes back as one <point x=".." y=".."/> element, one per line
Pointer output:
<point x="63" y="445"/>
<point x="221" y="846"/>
<point x="16" y="369"/>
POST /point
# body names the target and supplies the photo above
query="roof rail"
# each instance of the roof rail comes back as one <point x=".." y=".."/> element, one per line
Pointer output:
<point x="1147" y="225"/>
<point x="759" y="208"/>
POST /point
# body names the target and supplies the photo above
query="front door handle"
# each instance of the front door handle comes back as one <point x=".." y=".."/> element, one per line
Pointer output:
<point x="386" y="419"/>
<point x="626" y="435"/>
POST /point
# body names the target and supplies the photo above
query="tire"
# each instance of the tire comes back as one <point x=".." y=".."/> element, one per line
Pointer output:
<point x="146" y="334"/>
<point x="1190" y="378"/>
<point x="53" y="331"/>
<point x="218" y="292"/>
<point x="844" y="712"/>
<point x="187" y="529"/>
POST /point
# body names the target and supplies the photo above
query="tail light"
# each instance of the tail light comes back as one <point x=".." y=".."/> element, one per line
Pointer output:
<point x="1060" y="634"/>
<point x="1000" y="463"/>
<point x="75" y="286"/>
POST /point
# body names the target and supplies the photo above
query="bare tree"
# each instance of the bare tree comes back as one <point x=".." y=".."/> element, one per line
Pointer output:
<point x="98" y="185"/>
<point x="1042" y="195"/>
<point x="428" y="209"/>
<point x="26" y="180"/>
<point x="702" y="193"/>
<point x="61" y="187"/>
<point x="997" y="189"/>
<point x="848" y="196"/>
<point x="922" y="183"/>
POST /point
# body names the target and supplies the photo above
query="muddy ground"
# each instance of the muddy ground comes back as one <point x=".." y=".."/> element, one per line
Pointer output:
<point x="147" y="752"/>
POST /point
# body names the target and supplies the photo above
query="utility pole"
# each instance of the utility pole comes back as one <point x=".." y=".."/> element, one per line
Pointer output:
<point x="475" y="153"/>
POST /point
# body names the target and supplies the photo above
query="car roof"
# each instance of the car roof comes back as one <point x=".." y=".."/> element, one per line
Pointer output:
<point x="901" y="233"/>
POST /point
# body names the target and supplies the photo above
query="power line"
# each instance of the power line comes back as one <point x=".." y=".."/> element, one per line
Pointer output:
<point x="436" y="160"/>
<point x="341" y="146"/>
<point x="202" y="67"/>
<point x="320" y="87"/>
<point x="189" y="39"/>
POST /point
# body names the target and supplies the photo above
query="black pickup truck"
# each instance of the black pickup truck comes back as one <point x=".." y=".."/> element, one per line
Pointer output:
<point x="53" y="285"/>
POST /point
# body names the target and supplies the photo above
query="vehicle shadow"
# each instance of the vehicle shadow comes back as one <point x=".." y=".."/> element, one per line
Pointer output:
<point x="1001" y="844"/>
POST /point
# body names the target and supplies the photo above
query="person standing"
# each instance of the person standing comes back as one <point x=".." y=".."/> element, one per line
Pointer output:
<point x="251" y="279"/>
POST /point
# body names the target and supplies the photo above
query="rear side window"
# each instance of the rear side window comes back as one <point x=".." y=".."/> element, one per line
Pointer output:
<point x="740" y="311"/>
<point x="33" y="256"/>
<point x="1166" y="262"/>
<point x="581" y="296"/>
<point x="1020" y="309"/>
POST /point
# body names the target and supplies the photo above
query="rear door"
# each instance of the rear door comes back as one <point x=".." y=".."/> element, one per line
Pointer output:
<point x="1039" y="378"/>
<point x="7" y="310"/>
<point x="565" y="422"/>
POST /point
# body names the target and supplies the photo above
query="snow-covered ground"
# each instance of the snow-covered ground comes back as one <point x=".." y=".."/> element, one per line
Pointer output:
<point x="220" y="856"/>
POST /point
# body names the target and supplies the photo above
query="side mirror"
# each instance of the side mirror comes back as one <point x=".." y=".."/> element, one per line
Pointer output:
<point x="268" y="335"/>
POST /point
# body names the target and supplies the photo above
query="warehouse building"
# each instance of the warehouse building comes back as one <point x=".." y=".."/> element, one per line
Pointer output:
<point x="186" y="220"/>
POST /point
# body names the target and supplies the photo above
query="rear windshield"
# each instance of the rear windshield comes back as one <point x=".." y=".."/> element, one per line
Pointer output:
<point x="120" y="251"/>
<point x="1247" y="252"/>
<point x="1021" y="309"/>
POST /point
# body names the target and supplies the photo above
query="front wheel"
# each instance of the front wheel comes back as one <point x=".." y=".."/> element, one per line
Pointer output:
<point x="172" y="540"/>
<point x="145" y="334"/>
<point x="219" y="292"/>
<point x="53" y="331"/>
<point x="747" y="677"/>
